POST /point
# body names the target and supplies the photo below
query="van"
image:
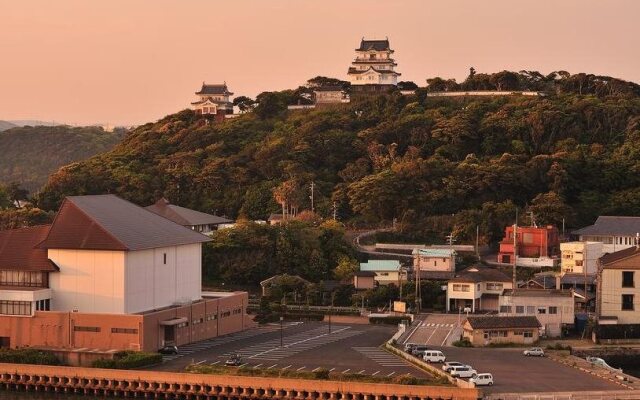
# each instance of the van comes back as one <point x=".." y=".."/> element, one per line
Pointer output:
<point x="463" y="372"/>
<point x="418" y="349"/>
<point x="434" y="356"/>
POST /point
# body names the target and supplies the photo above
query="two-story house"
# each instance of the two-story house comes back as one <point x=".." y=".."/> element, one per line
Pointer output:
<point x="477" y="288"/>
<point x="388" y="272"/>
<point x="532" y="246"/>
<point x="108" y="274"/>
<point x="553" y="308"/>
<point x="618" y="292"/>
<point x="434" y="263"/>
<point x="614" y="232"/>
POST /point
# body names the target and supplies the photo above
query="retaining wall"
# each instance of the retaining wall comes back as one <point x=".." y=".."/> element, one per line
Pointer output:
<point x="169" y="385"/>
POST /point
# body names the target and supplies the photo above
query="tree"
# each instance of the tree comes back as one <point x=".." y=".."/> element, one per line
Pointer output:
<point x="244" y="103"/>
<point x="407" y="85"/>
<point x="549" y="209"/>
<point x="345" y="269"/>
<point x="323" y="81"/>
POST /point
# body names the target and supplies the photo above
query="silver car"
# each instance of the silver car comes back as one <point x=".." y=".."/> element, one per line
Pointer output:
<point x="534" y="352"/>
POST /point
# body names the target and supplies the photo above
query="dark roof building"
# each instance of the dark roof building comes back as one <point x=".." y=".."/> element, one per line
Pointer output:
<point x="214" y="100"/>
<point x="18" y="251"/>
<point x="498" y="322"/>
<point x="476" y="274"/>
<point x="196" y="220"/>
<point x="214" y="89"/>
<point x="377" y="45"/>
<point x="107" y="222"/>
<point x="614" y="232"/>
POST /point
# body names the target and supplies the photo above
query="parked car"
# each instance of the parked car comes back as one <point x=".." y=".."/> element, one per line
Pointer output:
<point x="434" y="356"/>
<point x="534" y="352"/>
<point x="482" y="379"/>
<point x="463" y="372"/>
<point x="408" y="347"/>
<point x="170" y="349"/>
<point x="418" y="349"/>
<point x="233" y="361"/>
<point x="450" y="364"/>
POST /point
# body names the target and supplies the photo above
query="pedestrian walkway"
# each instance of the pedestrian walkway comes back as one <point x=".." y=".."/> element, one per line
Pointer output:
<point x="435" y="325"/>
<point x="380" y="356"/>
<point x="291" y="345"/>
<point x="191" y="348"/>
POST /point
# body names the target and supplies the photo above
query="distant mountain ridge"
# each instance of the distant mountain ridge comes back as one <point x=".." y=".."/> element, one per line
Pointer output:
<point x="31" y="153"/>
<point x="4" y="125"/>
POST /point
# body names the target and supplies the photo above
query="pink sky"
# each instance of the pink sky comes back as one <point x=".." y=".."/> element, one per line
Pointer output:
<point x="134" y="61"/>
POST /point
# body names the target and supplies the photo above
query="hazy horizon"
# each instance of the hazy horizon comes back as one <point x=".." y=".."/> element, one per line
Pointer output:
<point x="123" y="62"/>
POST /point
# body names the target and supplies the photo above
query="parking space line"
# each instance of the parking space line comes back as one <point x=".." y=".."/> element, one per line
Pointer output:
<point x="375" y="373"/>
<point x="272" y="366"/>
<point x="361" y="371"/>
<point x="201" y="362"/>
<point x="257" y="366"/>
<point x="346" y="370"/>
<point x="331" y="369"/>
<point x="300" y="369"/>
<point x="391" y="373"/>
<point x="288" y="366"/>
<point x="242" y="365"/>
<point x="316" y="369"/>
<point x="214" y="363"/>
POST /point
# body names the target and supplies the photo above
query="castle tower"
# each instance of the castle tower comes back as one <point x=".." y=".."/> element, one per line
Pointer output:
<point x="214" y="100"/>
<point x="373" y="67"/>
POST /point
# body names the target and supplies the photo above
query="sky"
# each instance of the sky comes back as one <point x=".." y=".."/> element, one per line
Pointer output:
<point x="128" y="62"/>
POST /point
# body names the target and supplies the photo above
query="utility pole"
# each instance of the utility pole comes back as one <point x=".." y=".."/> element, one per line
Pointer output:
<point x="335" y="211"/>
<point x="477" y="236"/>
<point x="450" y="239"/>
<point x="515" y="253"/>
<point x="311" y="197"/>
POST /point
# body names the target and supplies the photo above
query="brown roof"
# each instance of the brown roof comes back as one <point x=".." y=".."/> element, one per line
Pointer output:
<point x="379" y="45"/>
<point x="214" y="89"/>
<point x="537" y="293"/>
<point x="619" y="255"/>
<point x="476" y="274"/>
<point x="498" y="322"/>
<point x="184" y="216"/>
<point x="107" y="222"/>
<point x="18" y="250"/>
<point x="364" y="274"/>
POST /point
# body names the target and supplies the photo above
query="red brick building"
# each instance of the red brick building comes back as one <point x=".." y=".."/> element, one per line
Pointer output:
<point x="536" y="246"/>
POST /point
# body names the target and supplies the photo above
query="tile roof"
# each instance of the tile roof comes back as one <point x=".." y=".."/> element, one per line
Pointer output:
<point x="107" y="222"/>
<point x="380" y="265"/>
<point x="577" y="279"/>
<point x="184" y="216"/>
<point x="499" y="322"/>
<point x="380" y="71"/>
<point x="612" y="225"/>
<point x="18" y="250"/>
<point x="476" y="274"/>
<point x="220" y="89"/>
<point x="378" y="45"/>
<point x="619" y="255"/>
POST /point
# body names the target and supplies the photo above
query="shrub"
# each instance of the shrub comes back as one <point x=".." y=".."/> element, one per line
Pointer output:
<point x="128" y="360"/>
<point x="321" y="373"/>
<point x="558" y="346"/>
<point x="28" y="356"/>
<point x="463" y="343"/>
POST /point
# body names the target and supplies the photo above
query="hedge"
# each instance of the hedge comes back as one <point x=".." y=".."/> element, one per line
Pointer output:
<point x="393" y="320"/>
<point x="128" y="360"/>
<point x="28" y="356"/>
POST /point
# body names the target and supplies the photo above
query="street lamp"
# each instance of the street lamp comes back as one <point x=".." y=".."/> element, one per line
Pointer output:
<point x="333" y="295"/>
<point x="281" y="340"/>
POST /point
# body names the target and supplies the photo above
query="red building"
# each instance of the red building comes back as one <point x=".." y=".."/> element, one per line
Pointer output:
<point x="534" y="245"/>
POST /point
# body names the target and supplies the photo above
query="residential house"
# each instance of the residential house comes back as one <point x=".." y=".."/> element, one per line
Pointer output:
<point x="388" y="272"/>
<point x="580" y="257"/>
<point x="434" y="263"/>
<point x="553" y="308"/>
<point x="536" y="247"/>
<point x="198" y="221"/>
<point x="485" y="330"/>
<point x="363" y="280"/>
<point x="618" y="293"/>
<point x="108" y="274"/>
<point x="214" y="100"/>
<point x="615" y="233"/>
<point x="477" y="288"/>
<point x="373" y="69"/>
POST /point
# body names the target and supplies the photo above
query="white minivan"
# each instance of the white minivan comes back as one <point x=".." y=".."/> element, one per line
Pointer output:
<point x="463" y="372"/>
<point x="434" y="356"/>
<point x="482" y="379"/>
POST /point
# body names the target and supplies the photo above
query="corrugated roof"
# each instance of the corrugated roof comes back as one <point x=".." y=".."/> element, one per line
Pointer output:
<point x="444" y="253"/>
<point x="380" y="265"/>
<point x="612" y="225"/>
<point x="499" y="322"/>
<point x="18" y="250"/>
<point x="107" y="222"/>
<point x="522" y="292"/>
<point x="184" y="216"/>
<point x="481" y="274"/>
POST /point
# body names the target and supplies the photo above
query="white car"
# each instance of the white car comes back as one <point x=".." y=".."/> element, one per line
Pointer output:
<point x="434" y="356"/>
<point x="482" y="379"/>
<point x="534" y="352"/>
<point x="463" y="372"/>
<point x="450" y="364"/>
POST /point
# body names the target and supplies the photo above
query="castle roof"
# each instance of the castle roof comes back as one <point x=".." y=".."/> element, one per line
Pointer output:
<point x="378" y="45"/>
<point x="215" y="89"/>
<point x="363" y="71"/>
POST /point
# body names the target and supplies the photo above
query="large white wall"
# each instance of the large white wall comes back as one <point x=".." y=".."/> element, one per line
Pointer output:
<point x="152" y="284"/>
<point x="88" y="281"/>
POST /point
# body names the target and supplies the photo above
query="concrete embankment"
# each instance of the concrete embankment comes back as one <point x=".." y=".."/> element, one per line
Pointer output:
<point x="168" y="385"/>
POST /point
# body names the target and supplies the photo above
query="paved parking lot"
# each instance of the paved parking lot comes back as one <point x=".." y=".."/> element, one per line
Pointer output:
<point x="306" y="347"/>
<point x="434" y="329"/>
<point x="513" y="372"/>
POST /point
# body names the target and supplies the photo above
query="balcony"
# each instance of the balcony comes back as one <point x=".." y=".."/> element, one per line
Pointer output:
<point x="18" y="293"/>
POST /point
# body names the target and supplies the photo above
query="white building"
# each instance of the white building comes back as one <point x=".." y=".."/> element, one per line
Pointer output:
<point x="615" y="233"/>
<point x="434" y="263"/>
<point x="388" y="272"/>
<point x="553" y="308"/>
<point x="214" y="99"/>
<point x="477" y="288"/>
<point x="373" y="68"/>
<point x="580" y="257"/>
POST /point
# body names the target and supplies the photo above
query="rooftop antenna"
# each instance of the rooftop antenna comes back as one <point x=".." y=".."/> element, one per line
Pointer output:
<point x="533" y="219"/>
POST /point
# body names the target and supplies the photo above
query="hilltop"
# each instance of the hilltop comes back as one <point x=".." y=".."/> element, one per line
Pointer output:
<point x="432" y="164"/>
<point x="30" y="154"/>
<point x="4" y="125"/>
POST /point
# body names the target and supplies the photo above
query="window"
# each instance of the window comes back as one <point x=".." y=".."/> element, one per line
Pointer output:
<point x="627" y="279"/>
<point x="86" y="329"/>
<point x="518" y="333"/>
<point x="460" y="288"/>
<point x="498" y="334"/>
<point x="542" y="310"/>
<point x="43" y="305"/>
<point x="627" y="302"/>
<point x="225" y="314"/>
<point x="528" y="334"/>
<point x="494" y="286"/>
<point x="124" y="330"/>
<point x="212" y="317"/>
<point x="164" y="255"/>
<point x="553" y="310"/>
<point x="8" y="307"/>
<point x="24" y="278"/>
<point x="182" y="325"/>
<point x="519" y="309"/>
<point x="505" y="309"/>
<point x="527" y="238"/>
<point x="531" y="310"/>
<point x="198" y="321"/>
<point x="435" y="263"/>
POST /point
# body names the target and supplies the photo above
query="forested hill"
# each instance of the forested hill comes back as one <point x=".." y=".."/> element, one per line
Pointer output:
<point x="30" y="154"/>
<point x="433" y="164"/>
